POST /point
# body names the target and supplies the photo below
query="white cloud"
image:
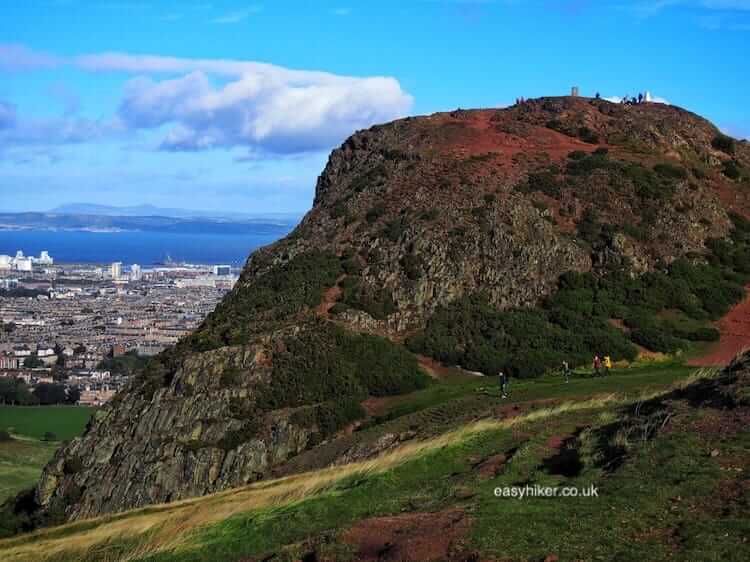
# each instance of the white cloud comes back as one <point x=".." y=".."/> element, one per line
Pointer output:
<point x="270" y="108"/>
<point x="224" y="103"/>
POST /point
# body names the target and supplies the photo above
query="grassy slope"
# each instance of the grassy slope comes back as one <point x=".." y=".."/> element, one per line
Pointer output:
<point x="635" y="514"/>
<point x="22" y="460"/>
<point x="21" y="463"/>
<point x="65" y="422"/>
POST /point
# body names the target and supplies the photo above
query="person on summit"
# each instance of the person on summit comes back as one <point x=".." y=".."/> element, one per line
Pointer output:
<point x="607" y="364"/>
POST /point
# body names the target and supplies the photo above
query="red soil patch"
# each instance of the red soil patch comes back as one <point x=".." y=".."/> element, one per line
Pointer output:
<point x="433" y="368"/>
<point x="735" y="337"/>
<point x="413" y="537"/>
<point x="329" y="299"/>
<point x="557" y="441"/>
<point x="377" y="405"/>
<point x="491" y="466"/>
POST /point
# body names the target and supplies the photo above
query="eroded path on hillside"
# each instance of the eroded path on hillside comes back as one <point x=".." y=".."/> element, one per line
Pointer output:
<point x="735" y="337"/>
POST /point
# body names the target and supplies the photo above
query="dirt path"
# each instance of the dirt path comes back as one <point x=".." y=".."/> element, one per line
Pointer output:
<point x="735" y="337"/>
<point x="412" y="537"/>
<point x="329" y="299"/>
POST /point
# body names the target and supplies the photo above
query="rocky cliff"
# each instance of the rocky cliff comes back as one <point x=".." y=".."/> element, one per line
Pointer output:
<point x="407" y="217"/>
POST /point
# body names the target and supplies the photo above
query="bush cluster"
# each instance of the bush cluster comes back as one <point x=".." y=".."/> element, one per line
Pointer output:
<point x="724" y="143"/>
<point x="280" y="292"/>
<point x="325" y="362"/>
<point x="377" y="303"/>
<point x="328" y="417"/>
<point x="522" y="342"/>
<point x="573" y="324"/>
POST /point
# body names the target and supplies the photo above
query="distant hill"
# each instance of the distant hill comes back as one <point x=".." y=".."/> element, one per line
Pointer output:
<point x="152" y="211"/>
<point x="150" y="223"/>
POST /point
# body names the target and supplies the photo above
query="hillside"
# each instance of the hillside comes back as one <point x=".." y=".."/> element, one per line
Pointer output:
<point x="513" y="239"/>
<point x="667" y="455"/>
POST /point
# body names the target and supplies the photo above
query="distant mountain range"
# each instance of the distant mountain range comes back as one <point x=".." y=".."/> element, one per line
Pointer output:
<point x="151" y="223"/>
<point x="153" y="211"/>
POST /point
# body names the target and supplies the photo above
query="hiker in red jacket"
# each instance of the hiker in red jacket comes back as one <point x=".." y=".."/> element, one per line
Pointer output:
<point x="597" y="365"/>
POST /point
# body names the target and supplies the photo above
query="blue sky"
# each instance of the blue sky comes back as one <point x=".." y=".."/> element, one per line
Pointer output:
<point x="228" y="105"/>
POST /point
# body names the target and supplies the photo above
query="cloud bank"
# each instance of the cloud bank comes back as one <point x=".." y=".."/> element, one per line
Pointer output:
<point x="201" y="104"/>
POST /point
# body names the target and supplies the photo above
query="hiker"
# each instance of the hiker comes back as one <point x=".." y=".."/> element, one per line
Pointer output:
<point x="597" y="365"/>
<point x="640" y="98"/>
<point x="598" y="96"/>
<point x="503" y="384"/>
<point x="566" y="371"/>
<point x="607" y="364"/>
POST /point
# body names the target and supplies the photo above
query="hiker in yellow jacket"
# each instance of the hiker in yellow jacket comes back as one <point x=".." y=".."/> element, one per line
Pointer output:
<point x="607" y="364"/>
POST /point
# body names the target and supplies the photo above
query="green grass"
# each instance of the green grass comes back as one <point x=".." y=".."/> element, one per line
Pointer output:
<point x="65" y="422"/>
<point x="634" y="379"/>
<point x="660" y="491"/>
<point x="22" y="460"/>
<point x="21" y="463"/>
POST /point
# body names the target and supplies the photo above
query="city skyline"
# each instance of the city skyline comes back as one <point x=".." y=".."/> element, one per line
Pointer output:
<point x="227" y="106"/>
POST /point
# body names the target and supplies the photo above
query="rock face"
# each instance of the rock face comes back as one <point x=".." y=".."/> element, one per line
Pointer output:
<point x="407" y="217"/>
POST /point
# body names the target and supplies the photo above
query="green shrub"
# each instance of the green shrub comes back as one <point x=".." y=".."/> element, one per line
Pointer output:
<point x="544" y="182"/>
<point x="587" y="135"/>
<point x="525" y="343"/>
<point x="731" y="169"/>
<point x="324" y="362"/>
<point x="656" y="340"/>
<point x="587" y="165"/>
<point x="577" y="155"/>
<point x="395" y="229"/>
<point x="338" y="308"/>
<point x="5" y="436"/>
<point x="374" y="213"/>
<point x="429" y="215"/>
<point x="671" y="171"/>
<point x="724" y="143"/>
<point x="339" y="210"/>
<point x="329" y="417"/>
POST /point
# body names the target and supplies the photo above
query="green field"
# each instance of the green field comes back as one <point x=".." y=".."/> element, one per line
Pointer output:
<point x="21" y="463"/>
<point x="22" y="460"/>
<point x="65" y="422"/>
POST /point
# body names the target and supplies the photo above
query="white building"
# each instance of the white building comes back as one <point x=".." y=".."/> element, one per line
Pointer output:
<point x="44" y="258"/>
<point x="115" y="270"/>
<point x="135" y="272"/>
<point x="5" y="262"/>
<point x="22" y="264"/>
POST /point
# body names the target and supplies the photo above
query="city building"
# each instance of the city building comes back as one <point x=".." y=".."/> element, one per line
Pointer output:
<point x="115" y="270"/>
<point x="45" y="258"/>
<point x="222" y="270"/>
<point x="136" y="274"/>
